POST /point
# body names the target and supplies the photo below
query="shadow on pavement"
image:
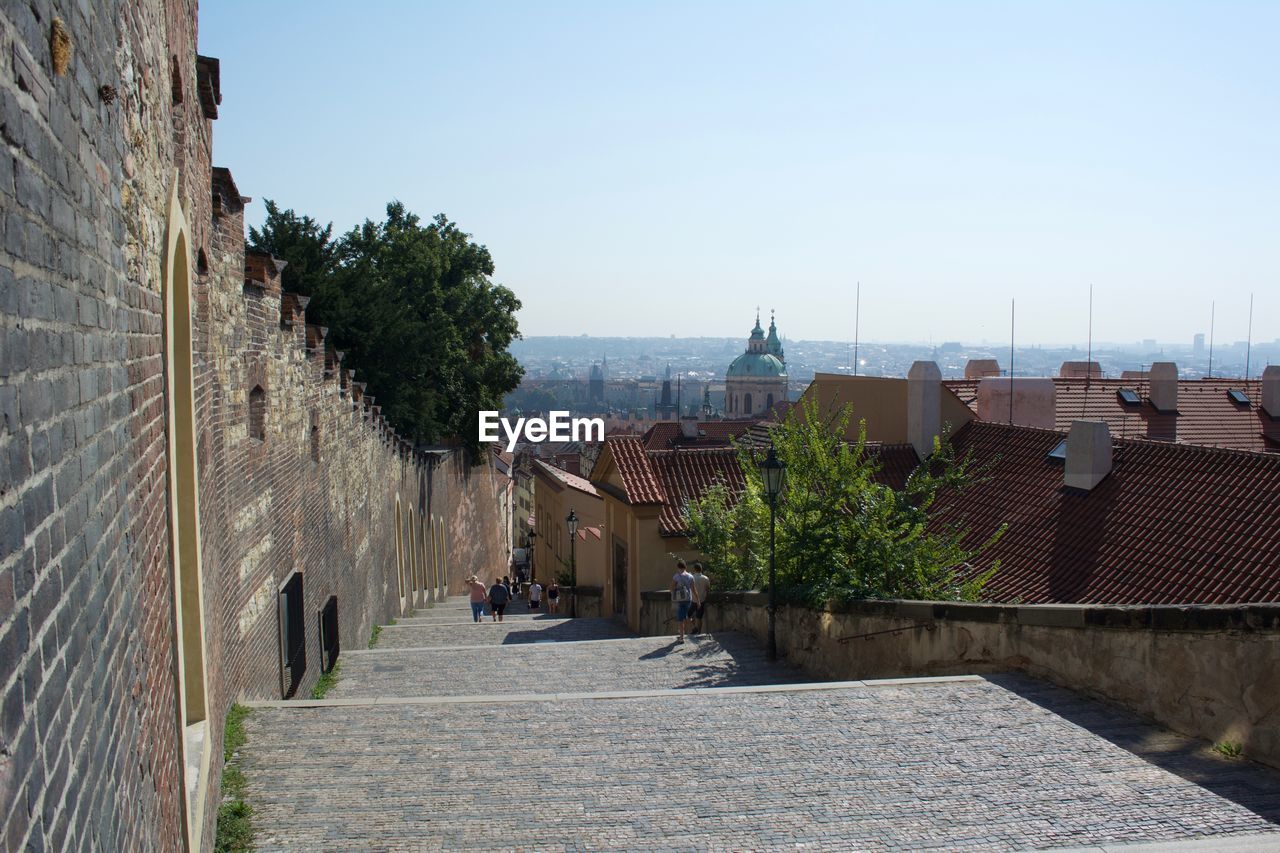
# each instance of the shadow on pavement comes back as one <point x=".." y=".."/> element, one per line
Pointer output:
<point x="1254" y="786"/>
<point x="570" y="630"/>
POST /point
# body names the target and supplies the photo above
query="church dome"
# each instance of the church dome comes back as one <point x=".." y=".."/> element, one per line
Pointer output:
<point x="763" y="358"/>
<point x="753" y="364"/>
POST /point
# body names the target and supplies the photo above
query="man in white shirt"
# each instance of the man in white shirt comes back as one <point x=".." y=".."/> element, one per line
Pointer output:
<point x="535" y="595"/>
<point x="681" y="596"/>
<point x="701" y="587"/>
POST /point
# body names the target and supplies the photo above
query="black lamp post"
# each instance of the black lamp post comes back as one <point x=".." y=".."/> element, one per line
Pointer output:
<point x="532" y="539"/>
<point x="772" y="472"/>
<point x="572" y="522"/>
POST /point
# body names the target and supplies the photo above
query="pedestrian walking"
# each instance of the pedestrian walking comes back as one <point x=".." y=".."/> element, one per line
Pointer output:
<point x="701" y="588"/>
<point x="478" y="596"/>
<point x="499" y="595"/>
<point x="553" y="596"/>
<point x="681" y="596"/>
<point x="535" y="594"/>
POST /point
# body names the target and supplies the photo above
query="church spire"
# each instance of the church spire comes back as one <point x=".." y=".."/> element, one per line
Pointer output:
<point x="773" y="345"/>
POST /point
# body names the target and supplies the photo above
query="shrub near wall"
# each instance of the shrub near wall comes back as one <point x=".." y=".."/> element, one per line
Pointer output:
<point x="1208" y="671"/>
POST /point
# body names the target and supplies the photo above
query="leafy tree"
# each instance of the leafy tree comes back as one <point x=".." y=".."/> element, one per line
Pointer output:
<point x="308" y="248"/>
<point x="841" y="534"/>
<point x="731" y="530"/>
<point x="415" y="309"/>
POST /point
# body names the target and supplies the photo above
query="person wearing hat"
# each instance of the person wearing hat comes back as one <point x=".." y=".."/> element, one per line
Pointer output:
<point x="478" y="596"/>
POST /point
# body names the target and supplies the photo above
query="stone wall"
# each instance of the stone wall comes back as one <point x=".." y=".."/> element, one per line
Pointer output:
<point x="1208" y="671"/>
<point x="300" y="476"/>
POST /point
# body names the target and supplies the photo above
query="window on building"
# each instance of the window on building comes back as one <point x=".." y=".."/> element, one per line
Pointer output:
<point x="293" y="641"/>
<point x="329" y="645"/>
<point x="315" y="444"/>
<point x="746" y="406"/>
<point x="399" y="551"/>
<point x="769" y="402"/>
<point x="258" y="413"/>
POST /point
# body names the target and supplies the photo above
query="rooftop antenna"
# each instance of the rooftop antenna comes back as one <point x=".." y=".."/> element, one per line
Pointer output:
<point x="1012" y="315"/>
<point x="1088" y="358"/>
<point x="1212" y="309"/>
<point x="1248" y="347"/>
<point x="857" y="316"/>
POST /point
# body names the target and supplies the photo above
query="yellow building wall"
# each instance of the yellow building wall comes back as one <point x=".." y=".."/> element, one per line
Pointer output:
<point x="879" y="401"/>
<point x="554" y="501"/>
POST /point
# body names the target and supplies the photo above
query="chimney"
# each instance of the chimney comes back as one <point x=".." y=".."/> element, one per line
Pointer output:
<point x="1088" y="454"/>
<point x="1271" y="390"/>
<point x="1034" y="401"/>
<point x="1080" y="369"/>
<point x="924" y="406"/>
<point x="1162" y="382"/>
<point x="981" y="368"/>
<point x="689" y="426"/>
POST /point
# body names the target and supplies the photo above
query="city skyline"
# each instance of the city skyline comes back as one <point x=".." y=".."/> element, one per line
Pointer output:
<point x="700" y="161"/>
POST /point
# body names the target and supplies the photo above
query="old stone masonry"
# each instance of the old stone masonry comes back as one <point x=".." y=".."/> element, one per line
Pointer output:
<point x="555" y="734"/>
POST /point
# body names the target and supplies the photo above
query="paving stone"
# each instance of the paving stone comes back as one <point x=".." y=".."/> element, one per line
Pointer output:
<point x="498" y="633"/>
<point x="958" y="765"/>
<point x="634" y="664"/>
<point x="1001" y="763"/>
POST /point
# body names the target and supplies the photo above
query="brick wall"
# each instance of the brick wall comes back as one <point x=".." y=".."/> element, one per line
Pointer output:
<point x="90" y="739"/>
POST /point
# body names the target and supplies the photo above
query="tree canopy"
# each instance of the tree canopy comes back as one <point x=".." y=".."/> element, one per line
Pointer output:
<point x="841" y="534"/>
<point x="414" y="307"/>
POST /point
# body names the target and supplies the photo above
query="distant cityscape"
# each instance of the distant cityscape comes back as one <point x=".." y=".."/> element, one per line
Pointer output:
<point x="557" y="369"/>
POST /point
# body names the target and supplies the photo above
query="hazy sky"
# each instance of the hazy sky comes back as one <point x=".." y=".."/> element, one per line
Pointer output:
<point x="654" y="168"/>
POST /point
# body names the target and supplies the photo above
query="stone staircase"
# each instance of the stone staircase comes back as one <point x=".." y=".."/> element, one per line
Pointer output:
<point x="551" y="733"/>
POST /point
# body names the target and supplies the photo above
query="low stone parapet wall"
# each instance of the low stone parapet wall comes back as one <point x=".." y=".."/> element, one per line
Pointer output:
<point x="590" y="601"/>
<point x="1208" y="671"/>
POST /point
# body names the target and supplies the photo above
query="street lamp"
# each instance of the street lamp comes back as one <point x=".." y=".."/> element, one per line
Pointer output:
<point x="572" y="522"/>
<point x="772" y="472"/>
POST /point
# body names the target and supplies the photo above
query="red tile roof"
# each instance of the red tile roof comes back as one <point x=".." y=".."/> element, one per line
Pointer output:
<point x="573" y="481"/>
<point x="638" y="480"/>
<point x="1205" y="414"/>
<point x="686" y="475"/>
<point x="896" y="461"/>
<point x="1171" y="524"/>
<point x="666" y="434"/>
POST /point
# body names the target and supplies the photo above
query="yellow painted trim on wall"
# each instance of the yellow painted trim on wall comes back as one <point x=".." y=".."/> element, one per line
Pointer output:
<point x="186" y="555"/>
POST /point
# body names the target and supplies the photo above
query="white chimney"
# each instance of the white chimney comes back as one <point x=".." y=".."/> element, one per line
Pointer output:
<point x="1271" y="390"/>
<point x="689" y="426"/>
<point x="981" y="368"/>
<point x="1088" y="454"/>
<point x="1162" y="382"/>
<point x="1034" y="401"/>
<point x="924" y="406"/>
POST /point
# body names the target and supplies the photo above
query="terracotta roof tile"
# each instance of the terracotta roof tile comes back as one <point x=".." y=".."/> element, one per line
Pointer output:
<point x="1171" y="523"/>
<point x="896" y="461"/>
<point x="573" y="481"/>
<point x="1205" y="415"/>
<point x="687" y="474"/>
<point x="666" y="434"/>
<point x="638" y="478"/>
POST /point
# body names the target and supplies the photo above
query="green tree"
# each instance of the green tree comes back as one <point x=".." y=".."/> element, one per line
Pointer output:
<point x="731" y="531"/>
<point x="414" y="307"/>
<point x="841" y="534"/>
<point x="307" y="248"/>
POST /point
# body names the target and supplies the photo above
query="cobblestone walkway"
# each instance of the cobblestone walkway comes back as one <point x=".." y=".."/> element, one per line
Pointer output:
<point x="409" y="755"/>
